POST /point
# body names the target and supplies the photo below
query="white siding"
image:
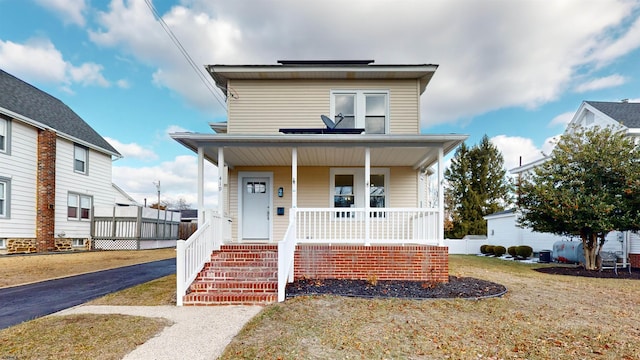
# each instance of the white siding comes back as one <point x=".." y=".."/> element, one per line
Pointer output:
<point x="503" y="230"/>
<point x="20" y="167"/>
<point x="263" y="107"/>
<point x="97" y="183"/>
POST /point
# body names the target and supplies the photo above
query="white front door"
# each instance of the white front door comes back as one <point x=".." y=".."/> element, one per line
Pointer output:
<point x="256" y="214"/>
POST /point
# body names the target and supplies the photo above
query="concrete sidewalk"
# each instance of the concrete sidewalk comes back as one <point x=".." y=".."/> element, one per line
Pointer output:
<point x="198" y="332"/>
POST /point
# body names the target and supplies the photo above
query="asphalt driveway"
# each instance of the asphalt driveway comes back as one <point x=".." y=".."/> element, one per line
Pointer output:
<point x="28" y="302"/>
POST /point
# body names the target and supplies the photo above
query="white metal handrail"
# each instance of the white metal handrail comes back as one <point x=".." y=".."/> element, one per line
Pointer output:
<point x="193" y="253"/>
<point x="379" y="225"/>
<point x="286" y="256"/>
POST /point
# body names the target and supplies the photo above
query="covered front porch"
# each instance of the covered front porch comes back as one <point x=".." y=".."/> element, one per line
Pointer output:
<point x="390" y="202"/>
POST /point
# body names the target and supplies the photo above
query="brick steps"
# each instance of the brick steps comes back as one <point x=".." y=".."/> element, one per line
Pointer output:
<point x="237" y="275"/>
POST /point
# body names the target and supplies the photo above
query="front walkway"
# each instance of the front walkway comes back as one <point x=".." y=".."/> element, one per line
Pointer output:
<point x="197" y="332"/>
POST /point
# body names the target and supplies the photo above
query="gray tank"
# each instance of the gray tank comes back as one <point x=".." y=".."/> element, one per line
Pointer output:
<point x="568" y="252"/>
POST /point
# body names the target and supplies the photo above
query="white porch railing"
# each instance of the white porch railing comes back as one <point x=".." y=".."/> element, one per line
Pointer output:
<point x="195" y="251"/>
<point x="381" y="225"/>
<point x="353" y="225"/>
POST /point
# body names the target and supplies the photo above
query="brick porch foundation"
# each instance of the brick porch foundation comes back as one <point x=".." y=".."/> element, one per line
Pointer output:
<point x="634" y="259"/>
<point x="382" y="262"/>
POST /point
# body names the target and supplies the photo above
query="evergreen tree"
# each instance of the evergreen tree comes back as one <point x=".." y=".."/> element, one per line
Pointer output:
<point x="476" y="185"/>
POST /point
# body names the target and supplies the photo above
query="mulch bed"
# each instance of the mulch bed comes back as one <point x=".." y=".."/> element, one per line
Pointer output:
<point x="457" y="287"/>
<point x="580" y="271"/>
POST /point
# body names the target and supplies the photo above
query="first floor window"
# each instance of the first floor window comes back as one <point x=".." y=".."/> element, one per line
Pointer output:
<point x="77" y="242"/>
<point x="349" y="187"/>
<point x="4" y="198"/>
<point x="78" y="207"/>
<point x="80" y="155"/>
<point x="3" y="243"/>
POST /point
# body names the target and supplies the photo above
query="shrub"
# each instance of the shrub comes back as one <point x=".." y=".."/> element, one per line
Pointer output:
<point x="483" y="249"/>
<point x="499" y="250"/>
<point x="512" y="251"/>
<point x="524" y="251"/>
<point x="489" y="249"/>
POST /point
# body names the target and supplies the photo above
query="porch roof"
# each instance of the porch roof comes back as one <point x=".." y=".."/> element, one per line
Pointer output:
<point x="417" y="151"/>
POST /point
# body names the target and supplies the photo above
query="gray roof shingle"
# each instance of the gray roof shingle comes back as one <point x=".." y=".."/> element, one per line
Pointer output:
<point x="626" y="113"/>
<point x="27" y="100"/>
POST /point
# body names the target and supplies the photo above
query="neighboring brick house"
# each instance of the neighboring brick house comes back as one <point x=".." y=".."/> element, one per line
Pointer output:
<point x="330" y="188"/>
<point x="53" y="169"/>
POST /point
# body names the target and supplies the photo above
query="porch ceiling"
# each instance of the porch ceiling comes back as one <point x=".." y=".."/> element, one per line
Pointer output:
<point x="321" y="150"/>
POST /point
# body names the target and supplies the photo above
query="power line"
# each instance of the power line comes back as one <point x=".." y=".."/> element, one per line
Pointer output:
<point x="204" y="78"/>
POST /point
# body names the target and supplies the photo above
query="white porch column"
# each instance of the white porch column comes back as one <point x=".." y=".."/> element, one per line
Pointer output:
<point x="221" y="194"/>
<point x="367" y="195"/>
<point x="294" y="178"/>
<point x="200" y="186"/>
<point x="440" y="197"/>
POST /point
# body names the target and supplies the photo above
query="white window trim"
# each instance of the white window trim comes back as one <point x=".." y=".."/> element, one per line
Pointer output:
<point x="358" y="184"/>
<point x="360" y="104"/>
<point x="79" y="207"/>
<point x="3" y="243"/>
<point x="75" y="245"/>
<point x="7" y="136"/>
<point x="86" y="159"/>
<point x="6" y="207"/>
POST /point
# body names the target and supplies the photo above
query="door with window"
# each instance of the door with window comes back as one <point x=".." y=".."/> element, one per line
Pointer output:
<point x="256" y="212"/>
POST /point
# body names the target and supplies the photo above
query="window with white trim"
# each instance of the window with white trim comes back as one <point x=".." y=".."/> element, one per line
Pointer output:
<point x="80" y="159"/>
<point x="348" y="184"/>
<point x="5" y="191"/>
<point x="366" y="109"/>
<point x="5" y="130"/>
<point x="78" y="207"/>
<point x="77" y="242"/>
<point x="3" y="243"/>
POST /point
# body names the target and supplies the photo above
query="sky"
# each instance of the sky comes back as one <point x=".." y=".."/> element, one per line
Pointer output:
<point x="514" y="70"/>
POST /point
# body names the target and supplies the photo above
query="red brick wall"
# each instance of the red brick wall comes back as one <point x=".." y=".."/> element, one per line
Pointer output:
<point x="635" y="260"/>
<point x="46" y="191"/>
<point x="382" y="262"/>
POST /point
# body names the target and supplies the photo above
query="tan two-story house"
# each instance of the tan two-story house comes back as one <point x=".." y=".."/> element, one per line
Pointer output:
<point x="324" y="159"/>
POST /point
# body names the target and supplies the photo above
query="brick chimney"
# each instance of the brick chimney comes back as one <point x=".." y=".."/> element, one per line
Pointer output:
<point x="46" y="191"/>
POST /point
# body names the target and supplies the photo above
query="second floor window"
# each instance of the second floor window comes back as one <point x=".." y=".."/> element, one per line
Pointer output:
<point x="367" y="109"/>
<point x="80" y="156"/>
<point x="78" y="207"/>
<point x="4" y="135"/>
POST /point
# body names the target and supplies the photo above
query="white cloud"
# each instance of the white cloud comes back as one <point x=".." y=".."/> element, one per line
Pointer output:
<point x="177" y="180"/>
<point x="562" y="120"/>
<point x="39" y="60"/>
<point x="71" y="11"/>
<point x="88" y="74"/>
<point x="123" y="84"/>
<point x="518" y="150"/>
<point x="601" y="83"/>
<point x="484" y="70"/>
<point x="132" y="150"/>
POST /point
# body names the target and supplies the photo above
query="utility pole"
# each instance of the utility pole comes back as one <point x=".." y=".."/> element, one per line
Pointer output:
<point x="158" y="208"/>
